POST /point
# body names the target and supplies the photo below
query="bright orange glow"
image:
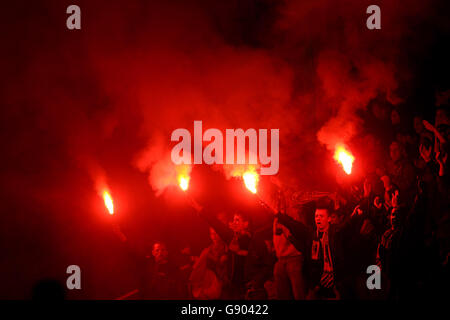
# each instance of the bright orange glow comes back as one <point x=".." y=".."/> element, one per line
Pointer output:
<point x="108" y="202"/>
<point x="345" y="158"/>
<point x="183" y="182"/>
<point x="251" y="179"/>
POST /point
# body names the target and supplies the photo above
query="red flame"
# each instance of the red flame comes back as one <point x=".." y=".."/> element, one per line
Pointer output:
<point x="183" y="182"/>
<point x="108" y="202"/>
<point x="345" y="158"/>
<point x="251" y="179"/>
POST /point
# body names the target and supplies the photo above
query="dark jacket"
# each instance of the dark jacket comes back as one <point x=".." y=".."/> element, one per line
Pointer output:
<point x="238" y="262"/>
<point x="340" y="239"/>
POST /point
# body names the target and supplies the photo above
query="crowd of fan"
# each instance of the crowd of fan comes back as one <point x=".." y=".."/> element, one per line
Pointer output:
<point x="396" y="219"/>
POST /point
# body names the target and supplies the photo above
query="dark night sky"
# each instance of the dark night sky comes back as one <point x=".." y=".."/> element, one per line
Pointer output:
<point x="97" y="102"/>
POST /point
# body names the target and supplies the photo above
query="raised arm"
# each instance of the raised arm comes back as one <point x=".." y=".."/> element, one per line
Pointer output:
<point x="225" y="233"/>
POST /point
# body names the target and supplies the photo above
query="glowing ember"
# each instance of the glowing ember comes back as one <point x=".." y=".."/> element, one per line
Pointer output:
<point x="183" y="182"/>
<point x="108" y="202"/>
<point x="345" y="158"/>
<point x="251" y="179"/>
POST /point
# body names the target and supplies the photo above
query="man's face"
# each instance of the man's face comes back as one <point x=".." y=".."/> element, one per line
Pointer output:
<point x="334" y="219"/>
<point x="441" y="116"/>
<point x="395" y="117"/>
<point x="395" y="151"/>
<point x="321" y="218"/>
<point x="238" y="224"/>
<point x="222" y="216"/>
<point x="214" y="236"/>
<point x="159" y="252"/>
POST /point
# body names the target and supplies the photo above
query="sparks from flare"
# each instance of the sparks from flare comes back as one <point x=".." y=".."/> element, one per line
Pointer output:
<point x="108" y="202"/>
<point x="345" y="158"/>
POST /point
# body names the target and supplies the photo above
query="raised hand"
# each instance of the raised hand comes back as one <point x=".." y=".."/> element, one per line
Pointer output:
<point x="441" y="159"/>
<point x="425" y="153"/>
<point x="377" y="202"/>
<point x="357" y="211"/>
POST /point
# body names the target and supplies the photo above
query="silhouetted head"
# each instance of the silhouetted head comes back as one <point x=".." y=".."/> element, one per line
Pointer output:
<point x="214" y="236"/>
<point x="322" y="215"/>
<point x="442" y="116"/>
<point x="159" y="252"/>
<point x="48" y="290"/>
<point x="240" y="222"/>
<point x="396" y="151"/>
<point x="397" y="217"/>
<point x="395" y="116"/>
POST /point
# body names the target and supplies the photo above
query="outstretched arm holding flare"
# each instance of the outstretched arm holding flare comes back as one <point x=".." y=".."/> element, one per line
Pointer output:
<point x="222" y="230"/>
<point x="118" y="231"/>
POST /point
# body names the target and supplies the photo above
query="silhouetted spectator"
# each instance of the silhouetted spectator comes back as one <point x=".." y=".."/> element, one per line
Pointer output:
<point x="48" y="290"/>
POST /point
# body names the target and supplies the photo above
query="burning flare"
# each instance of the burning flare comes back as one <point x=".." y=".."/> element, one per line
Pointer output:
<point x="183" y="182"/>
<point x="251" y="179"/>
<point x="345" y="158"/>
<point x="108" y="202"/>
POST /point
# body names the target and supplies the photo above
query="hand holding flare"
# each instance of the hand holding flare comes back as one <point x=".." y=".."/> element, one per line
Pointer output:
<point x="251" y="179"/>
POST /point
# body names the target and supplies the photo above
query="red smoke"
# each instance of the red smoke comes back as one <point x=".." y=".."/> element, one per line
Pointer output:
<point x="304" y="67"/>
